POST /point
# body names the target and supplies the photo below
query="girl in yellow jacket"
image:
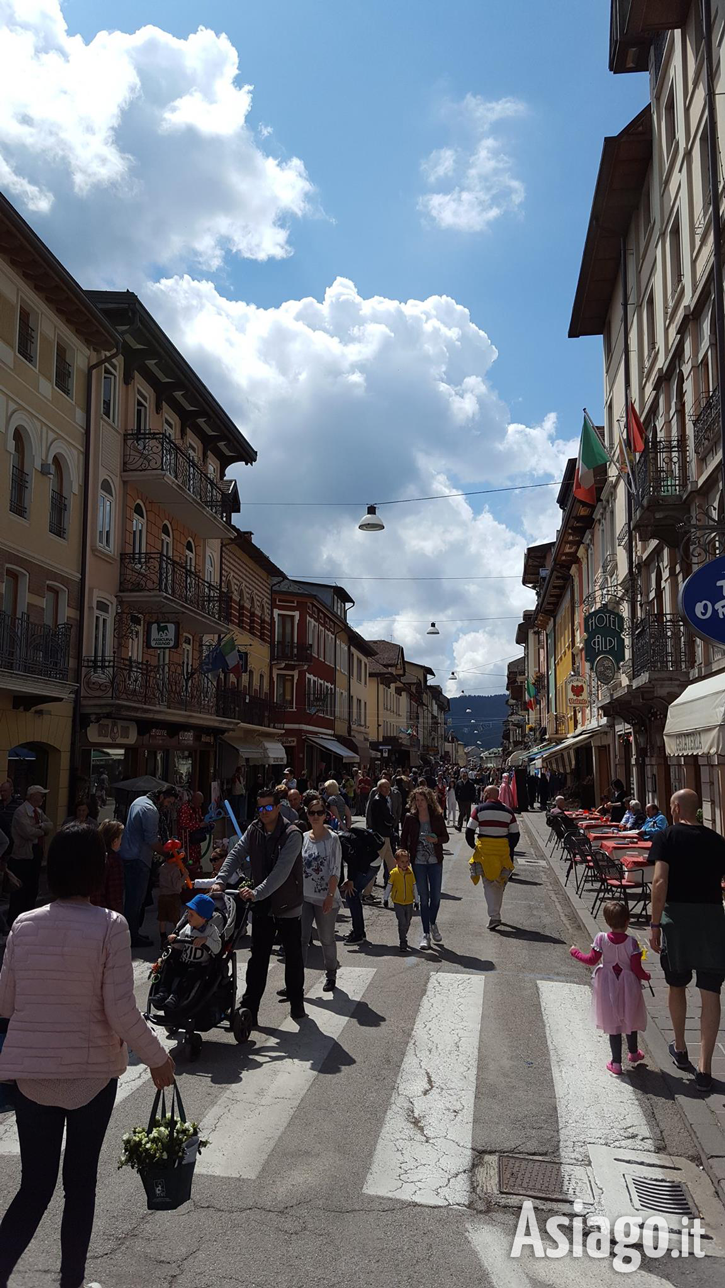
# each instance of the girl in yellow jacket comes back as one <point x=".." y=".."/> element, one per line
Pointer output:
<point x="401" y="884"/>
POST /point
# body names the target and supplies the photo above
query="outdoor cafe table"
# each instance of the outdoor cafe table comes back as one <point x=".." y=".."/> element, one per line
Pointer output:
<point x="634" y="856"/>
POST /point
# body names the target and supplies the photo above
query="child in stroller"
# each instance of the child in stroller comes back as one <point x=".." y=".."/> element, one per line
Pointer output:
<point x="193" y="945"/>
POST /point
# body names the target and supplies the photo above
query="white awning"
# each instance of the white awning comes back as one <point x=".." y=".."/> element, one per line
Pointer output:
<point x="695" y="723"/>
<point x="263" y="751"/>
<point x="334" y="747"/>
<point x="599" y="735"/>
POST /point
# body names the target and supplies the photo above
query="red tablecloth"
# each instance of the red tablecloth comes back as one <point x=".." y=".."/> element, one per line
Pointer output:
<point x="633" y="861"/>
<point x="619" y="848"/>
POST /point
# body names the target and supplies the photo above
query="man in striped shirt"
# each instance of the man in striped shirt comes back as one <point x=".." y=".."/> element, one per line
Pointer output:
<point x="494" y="826"/>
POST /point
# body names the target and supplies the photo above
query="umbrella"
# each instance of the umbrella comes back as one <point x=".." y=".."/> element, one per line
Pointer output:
<point x="147" y="783"/>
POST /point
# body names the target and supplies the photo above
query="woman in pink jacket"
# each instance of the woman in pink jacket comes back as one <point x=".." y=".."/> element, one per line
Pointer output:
<point x="67" y="988"/>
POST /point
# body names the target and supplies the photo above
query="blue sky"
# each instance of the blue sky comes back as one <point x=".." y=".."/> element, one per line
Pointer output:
<point x="140" y="159"/>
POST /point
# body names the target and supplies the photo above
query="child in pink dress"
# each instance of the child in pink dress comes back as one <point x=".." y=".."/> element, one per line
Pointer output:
<point x="617" y="1002"/>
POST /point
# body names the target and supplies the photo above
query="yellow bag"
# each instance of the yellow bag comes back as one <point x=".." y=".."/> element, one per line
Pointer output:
<point x="494" y="857"/>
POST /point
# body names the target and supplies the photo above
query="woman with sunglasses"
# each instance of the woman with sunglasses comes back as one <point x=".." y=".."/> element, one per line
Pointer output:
<point x="424" y="835"/>
<point x="321" y="862"/>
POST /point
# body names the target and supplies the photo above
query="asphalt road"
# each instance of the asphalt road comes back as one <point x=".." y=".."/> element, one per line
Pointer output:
<point x="361" y="1146"/>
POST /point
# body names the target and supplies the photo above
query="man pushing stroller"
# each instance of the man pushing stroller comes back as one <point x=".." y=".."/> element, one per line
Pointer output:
<point x="193" y="945"/>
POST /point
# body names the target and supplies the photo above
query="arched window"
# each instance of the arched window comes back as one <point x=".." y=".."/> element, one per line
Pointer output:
<point x="252" y="623"/>
<point x="210" y="568"/>
<point x="19" y="476"/>
<point x="250" y="677"/>
<point x="167" y="542"/>
<point x="58" y="520"/>
<point x="190" y="556"/>
<point x="105" y="515"/>
<point x="138" y="532"/>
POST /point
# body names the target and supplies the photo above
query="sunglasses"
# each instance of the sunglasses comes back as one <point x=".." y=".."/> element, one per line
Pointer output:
<point x="316" y="813"/>
<point x="265" y="809"/>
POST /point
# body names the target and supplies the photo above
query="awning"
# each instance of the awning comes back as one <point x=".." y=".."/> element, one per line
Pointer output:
<point x="600" y="734"/>
<point x="263" y="751"/>
<point x="334" y="747"/>
<point x="531" y="753"/>
<point x="695" y="721"/>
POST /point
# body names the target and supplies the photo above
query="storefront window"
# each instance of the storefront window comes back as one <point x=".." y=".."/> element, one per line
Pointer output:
<point x="106" y="770"/>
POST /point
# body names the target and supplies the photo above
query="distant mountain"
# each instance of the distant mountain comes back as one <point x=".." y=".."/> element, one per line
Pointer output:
<point x="487" y="712"/>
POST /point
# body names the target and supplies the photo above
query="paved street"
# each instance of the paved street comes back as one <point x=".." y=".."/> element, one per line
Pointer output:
<point x="358" y="1148"/>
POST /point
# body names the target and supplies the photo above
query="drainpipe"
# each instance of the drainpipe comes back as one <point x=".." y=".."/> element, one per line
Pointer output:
<point x="85" y="537"/>
<point x="638" y="781"/>
<point x="713" y="160"/>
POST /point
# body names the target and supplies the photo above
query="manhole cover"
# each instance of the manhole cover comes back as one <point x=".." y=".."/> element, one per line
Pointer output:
<point x="532" y="1177"/>
<point x="659" y="1195"/>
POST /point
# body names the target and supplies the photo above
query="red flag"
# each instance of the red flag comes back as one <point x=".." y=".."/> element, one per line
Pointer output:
<point x="635" y="430"/>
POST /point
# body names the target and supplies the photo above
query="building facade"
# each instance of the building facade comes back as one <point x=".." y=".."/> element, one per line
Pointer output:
<point x="51" y="339"/>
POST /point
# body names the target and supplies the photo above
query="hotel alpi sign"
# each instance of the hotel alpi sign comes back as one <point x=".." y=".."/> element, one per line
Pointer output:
<point x="604" y="635"/>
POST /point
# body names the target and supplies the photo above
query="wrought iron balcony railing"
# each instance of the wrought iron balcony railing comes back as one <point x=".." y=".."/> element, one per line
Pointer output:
<point x="149" y="684"/>
<point x="706" y="422"/>
<point x="19" y="492"/>
<point x="622" y="536"/>
<point x="661" y="473"/>
<point x="661" y="643"/>
<point x="248" y="709"/>
<point x="291" y="651"/>
<point x="26" y="341"/>
<point x="32" y="648"/>
<point x="63" y="376"/>
<point x="146" y="453"/>
<point x="58" y="519"/>
<point x="158" y="572"/>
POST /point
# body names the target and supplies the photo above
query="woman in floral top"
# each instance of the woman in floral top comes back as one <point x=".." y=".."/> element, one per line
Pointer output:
<point x="321" y="860"/>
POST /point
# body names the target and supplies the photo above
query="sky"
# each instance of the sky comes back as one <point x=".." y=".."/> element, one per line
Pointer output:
<point x="363" y="224"/>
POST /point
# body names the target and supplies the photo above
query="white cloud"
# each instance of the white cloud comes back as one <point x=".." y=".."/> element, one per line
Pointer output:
<point x="360" y="399"/>
<point x="475" y="177"/>
<point x="140" y="145"/>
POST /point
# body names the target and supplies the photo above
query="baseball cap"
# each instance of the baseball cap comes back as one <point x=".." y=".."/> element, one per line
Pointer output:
<point x="203" y="904"/>
<point x="37" y="788"/>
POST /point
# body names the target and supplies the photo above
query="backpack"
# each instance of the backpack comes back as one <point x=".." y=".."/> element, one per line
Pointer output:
<point x="360" y="848"/>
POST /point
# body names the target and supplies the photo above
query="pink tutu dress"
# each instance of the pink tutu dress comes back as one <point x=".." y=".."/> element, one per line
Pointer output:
<point x="505" y="794"/>
<point x="617" y="1000"/>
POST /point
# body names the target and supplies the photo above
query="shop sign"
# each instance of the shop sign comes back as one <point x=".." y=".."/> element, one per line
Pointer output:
<point x="576" y="691"/>
<point x="702" y="601"/>
<point x="162" y="634"/>
<point x="688" y="744"/>
<point x="604" y="635"/>
<point x="287" y="742"/>
<point x="605" y="669"/>
<point x="114" y="733"/>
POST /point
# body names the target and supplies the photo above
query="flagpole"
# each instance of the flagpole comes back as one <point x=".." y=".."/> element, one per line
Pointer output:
<point x="630" y="498"/>
<point x="604" y="447"/>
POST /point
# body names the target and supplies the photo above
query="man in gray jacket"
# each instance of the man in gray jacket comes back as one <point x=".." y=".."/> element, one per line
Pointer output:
<point x="270" y="852"/>
<point x="30" y="827"/>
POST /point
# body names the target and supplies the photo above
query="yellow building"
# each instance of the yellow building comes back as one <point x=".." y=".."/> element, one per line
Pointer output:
<point x="51" y="338"/>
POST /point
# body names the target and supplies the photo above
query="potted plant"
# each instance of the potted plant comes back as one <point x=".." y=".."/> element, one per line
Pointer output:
<point x="164" y="1153"/>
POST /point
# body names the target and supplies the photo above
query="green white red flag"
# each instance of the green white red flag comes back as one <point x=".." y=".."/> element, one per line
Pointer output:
<point x="591" y="456"/>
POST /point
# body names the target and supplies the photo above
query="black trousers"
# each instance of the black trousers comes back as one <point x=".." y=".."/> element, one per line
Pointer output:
<point x="264" y="929"/>
<point x="27" y="871"/>
<point x="40" y="1129"/>
<point x="464" y="813"/>
<point x="615" y="1043"/>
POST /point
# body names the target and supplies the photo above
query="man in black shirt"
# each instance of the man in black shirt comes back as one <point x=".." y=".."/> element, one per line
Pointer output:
<point x="688" y="924"/>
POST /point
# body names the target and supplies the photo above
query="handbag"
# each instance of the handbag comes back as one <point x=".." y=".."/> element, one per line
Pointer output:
<point x="168" y="1185"/>
<point x="199" y="834"/>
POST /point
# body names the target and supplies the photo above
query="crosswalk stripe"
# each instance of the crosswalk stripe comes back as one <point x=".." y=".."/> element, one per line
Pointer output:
<point x="593" y="1107"/>
<point x="492" y="1245"/>
<point x="424" y="1151"/>
<point x="247" y="1121"/>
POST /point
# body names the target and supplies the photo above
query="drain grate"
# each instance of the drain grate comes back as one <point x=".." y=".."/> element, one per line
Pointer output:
<point x="532" y="1177"/>
<point x="659" y="1195"/>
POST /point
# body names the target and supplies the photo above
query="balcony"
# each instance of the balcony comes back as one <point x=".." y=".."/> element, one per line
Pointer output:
<point x="291" y="651"/>
<point x="58" y="518"/>
<point x="34" y="649"/>
<point x="155" y="583"/>
<point x="112" y="681"/>
<point x="18" y="492"/>
<point x="623" y="536"/>
<point x="237" y="705"/>
<point x="706" y="423"/>
<point x="661" y="649"/>
<point x="167" y="474"/>
<point x="661" y="477"/>
<point x="635" y="25"/>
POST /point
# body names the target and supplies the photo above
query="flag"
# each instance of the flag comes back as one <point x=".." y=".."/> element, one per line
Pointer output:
<point x="591" y="456"/>
<point x="530" y="694"/>
<point x="213" y="661"/>
<point x="635" y="430"/>
<point x="626" y="461"/>
<point x="230" y="655"/>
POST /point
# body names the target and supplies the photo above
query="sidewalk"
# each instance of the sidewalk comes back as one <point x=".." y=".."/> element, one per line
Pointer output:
<point x="705" y="1114"/>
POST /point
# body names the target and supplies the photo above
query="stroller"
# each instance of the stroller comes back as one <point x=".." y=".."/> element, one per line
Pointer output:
<point x="212" y="1002"/>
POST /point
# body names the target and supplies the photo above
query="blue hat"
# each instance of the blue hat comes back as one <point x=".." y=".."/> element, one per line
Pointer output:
<point x="203" y="904"/>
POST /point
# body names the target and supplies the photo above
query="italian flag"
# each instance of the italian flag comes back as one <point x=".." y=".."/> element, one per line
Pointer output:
<point x="230" y="654"/>
<point x="530" y="694"/>
<point x="591" y="456"/>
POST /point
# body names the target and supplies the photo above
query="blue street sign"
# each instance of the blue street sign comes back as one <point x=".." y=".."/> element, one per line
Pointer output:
<point x="702" y="601"/>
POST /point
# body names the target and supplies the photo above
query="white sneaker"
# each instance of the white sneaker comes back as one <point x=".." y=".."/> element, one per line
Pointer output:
<point x="435" y="932"/>
<point x="424" y="941"/>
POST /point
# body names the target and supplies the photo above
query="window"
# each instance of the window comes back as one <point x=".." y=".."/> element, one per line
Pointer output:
<point x="358" y="669"/>
<point x="58" y="519"/>
<point x="250" y="676"/>
<point x="704" y="173"/>
<point x="610" y="425"/>
<point x="102" y="631"/>
<point x="675" y="246"/>
<point x="646" y="207"/>
<point x="650" y="327"/>
<point x="13" y="596"/>
<point x="365" y="713"/>
<point x="212" y="471"/>
<point x="142" y="412"/>
<point x="51" y="612"/>
<point x="138" y="530"/>
<point x="261" y="684"/>
<point x="210" y="568"/>
<point x="19" y="477"/>
<point x="64" y="367"/>
<point x="109" y="395"/>
<point x="190" y="556"/>
<point x="670" y="122"/>
<point x="187" y="656"/>
<point x="285" y="690"/>
<point x="135" y="638"/>
<point x="166" y="541"/>
<point x="27" y="334"/>
<point x="169" y="428"/>
<point x="105" y="516"/>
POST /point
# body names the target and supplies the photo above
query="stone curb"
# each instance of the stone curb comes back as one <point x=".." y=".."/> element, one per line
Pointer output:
<point x="706" y="1132"/>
